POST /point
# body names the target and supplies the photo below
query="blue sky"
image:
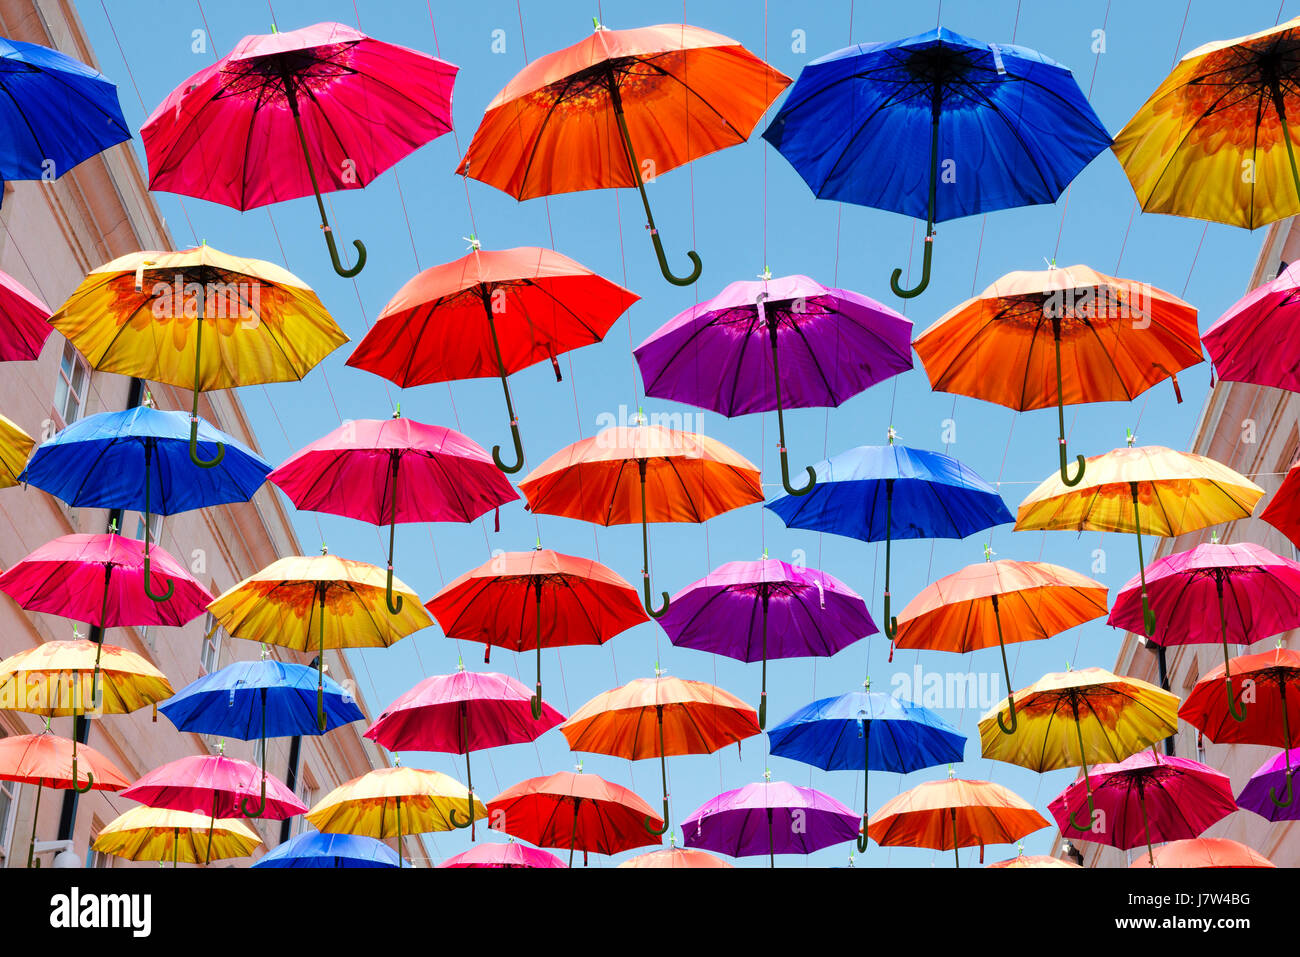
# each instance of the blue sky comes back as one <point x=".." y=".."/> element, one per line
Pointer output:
<point x="741" y="208"/>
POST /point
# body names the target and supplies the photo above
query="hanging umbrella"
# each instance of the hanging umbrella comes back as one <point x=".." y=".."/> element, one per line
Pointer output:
<point x="996" y="602"/>
<point x="322" y="601"/>
<point x="15" y="446"/>
<point x="857" y="493"/>
<point x="490" y="313"/>
<point x="24" y="320"/>
<point x="873" y="124"/>
<point x="1031" y="860"/>
<point x="385" y="471"/>
<point x="313" y="849"/>
<point x="656" y="717"/>
<point x="1116" y="338"/>
<point x="835" y="734"/>
<point x="687" y="857"/>
<point x="509" y="855"/>
<point x="575" y="811"/>
<point x="460" y="713"/>
<point x="679" y="477"/>
<point x="771" y="817"/>
<point x="1244" y="343"/>
<point x="1213" y="141"/>
<point x="954" y="814"/>
<point x="1149" y="488"/>
<point x="139" y="460"/>
<point x="49" y="761"/>
<point x="836" y="344"/>
<point x="1283" y="509"/>
<point x="259" y="699"/>
<point x="354" y="105"/>
<point x="754" y="611"/>
<point x="1206" y="852"/>
<point x="1273" y="719"/>
<point x="570" y="601"/>
<point x="617" y="109"/>
<point x="1256" y="594"/>
<point x="1071" y="719"/>
<point x="1148" y="797"/>
<point x="1272" y="777"/>
<point x="266" y="324"/>
<point x="157" y="834"/>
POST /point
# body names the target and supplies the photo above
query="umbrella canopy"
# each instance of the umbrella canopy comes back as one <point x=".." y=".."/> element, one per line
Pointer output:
<point x="1033" y="860"/>
<point x="157" y="834"/>
<point x="313" y="849"/>
<point x="676" y="857"/>
<point x="24" y="321"/>
<point x="354" y="105"/>
<point x="45" y="760"/>
<point x="15" y="446"/>
<point x="870" y="124"/>
<point x="678" y="477"/>
<point x="617" y="109"/>
<point x="503" y="855"/>
<point x="490" y="313"/>
<point x="1283" y="510"/>
<point x="1272" y="776"/>
<point x="1148" y="797"/>
<point x="51" y="679"/>
<point x="213" y="784"/>
<point x="1222" y="111"/>
<point x="954" y="814"/>
<point x="1110" y="340"/>
<point x="1244" y="343"/>
<point x="1206" y="852"/>
<point x="753" y="611"/>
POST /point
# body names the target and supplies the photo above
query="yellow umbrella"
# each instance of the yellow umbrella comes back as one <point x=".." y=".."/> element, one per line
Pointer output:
<point x="15" y="448"/>
<point x="1213" y="141"/>
<point x="157" y="834"/>
<point x="1149" y="488"/>
<point x="391" y="802"/>
<point x="266" y="324"/>
<point x="1071" y="719"/>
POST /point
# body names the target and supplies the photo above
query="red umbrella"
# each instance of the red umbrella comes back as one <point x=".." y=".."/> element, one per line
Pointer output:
<point x="490" y="313"/>
<point x="385" y="471"/>
<point x="24" y="321"/>
<point x="538" y="599"/>
<point x="1283" y="511"/>
<point x="460" y="713"/>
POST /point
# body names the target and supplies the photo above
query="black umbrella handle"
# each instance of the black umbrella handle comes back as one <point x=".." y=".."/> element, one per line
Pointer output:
<point x="505" y="387"/>
<point x="1006" y="670"/>
<point x="394" y="601"/>
<point x="1286" y="751"/>
<point x="645" y="558"/>
<point x="866" y="778"/>
<point x="1060" y="415"/>
<point x="648" y="822"/>
<point x="919" y="288"/>
<point x="148" y="536"/>
<point x="244" y="806"/>
<point x="765" y="319"/>
<point x="194" y="409"/>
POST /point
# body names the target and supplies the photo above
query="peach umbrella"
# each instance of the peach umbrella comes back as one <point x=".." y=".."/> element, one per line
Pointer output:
<point x="1206" y="852"/>
<point x="677" y="857"/>
<point x="1032" y="860"/>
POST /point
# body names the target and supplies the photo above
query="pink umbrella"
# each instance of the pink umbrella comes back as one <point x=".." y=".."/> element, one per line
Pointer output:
<point x="385" y="471"/>
<point x="1215" y="593"/>
<point x="24" y="321"/>
<point x="459" y="713"/>
<point x="1243" y="344"/>
<point x="503" y="855"/>
<point x="353" y="105"/>
<point x="1148" y="797"/>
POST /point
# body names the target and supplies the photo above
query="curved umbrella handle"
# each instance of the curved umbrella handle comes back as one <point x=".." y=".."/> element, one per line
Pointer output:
<point x="334" y="254"/>
<point x="394" y="606"/>
<point x="194" y="449"/>
<point x="90" y="779"/>
<point x="455" y="813"/>
<point x="1232" y="708"/>
<point x="646" y="599"/>
<point x="1148" y="615"/>
<point x="862" y="838"/>
<point x="171" y="585"/>
<point x="1065" y="474"/>
<point x="1290" y="793"/>
<point x="1011" y="706"/>
<point x="697" y="266"/>
<point x="762" y="712"/>
<point x="519" y="451"/>
<point x="649" y="825"/>
<point x="1087" y="826"/>
<point x="785" y="477"/>
<point x="1286" y="742"/>
<point x="891" y="621"/>
<point x="245" y="810"/>
<point x="920" y="287"/>
<point x="194" y="409"/>
<point x="535" y="703"/>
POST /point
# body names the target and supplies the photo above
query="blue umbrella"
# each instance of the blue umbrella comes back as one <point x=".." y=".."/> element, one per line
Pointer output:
<point x="312" y="849"/>
<point x="55" y="112"/>
<point x="102" y="461"/>
<point x="259" y="699"/>
<point x="835" y="734"/>
<point x="882" y="492"/>
<point x="864" y="125"/>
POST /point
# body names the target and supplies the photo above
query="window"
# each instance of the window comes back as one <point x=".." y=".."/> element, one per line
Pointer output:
<point x="155" y="528"/>
<point x="307" y="793"/>
<point x="70" y="389"/>
<point x="96" y="858"/>
<point x="8" y="802"/>
<point x="210" y="652"/>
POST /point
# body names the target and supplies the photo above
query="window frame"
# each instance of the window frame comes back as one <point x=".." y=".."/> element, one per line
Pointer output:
<point x="65" y="381"/>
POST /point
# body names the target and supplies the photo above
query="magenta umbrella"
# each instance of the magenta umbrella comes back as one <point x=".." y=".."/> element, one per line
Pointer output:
<point x="1272" y="774"/>
<point x="753" y="611"/>
<point x="313" y="110"/>
<point x="386" y="471"/>
<point x="727" y="353"/>
<point x="1215" y="593"/>
<point x="503" y="855"/>
<point x="459" y="713"/>
<point x="1255" y="340"/>
<point x="1148" y="797"/>
<point x="24" y="321"/>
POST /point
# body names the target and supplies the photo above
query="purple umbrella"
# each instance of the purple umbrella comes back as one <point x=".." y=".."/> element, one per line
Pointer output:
<point x="1271" y="774"/>
<point x="834" y="344"/>
<point x="770" y="818"/>
<point x="753" y="611"/>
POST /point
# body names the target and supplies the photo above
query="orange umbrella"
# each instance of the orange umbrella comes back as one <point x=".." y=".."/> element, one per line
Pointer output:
<point x="676" y="857"/>
<point x="996" y="602"/>
<point x="1115" y="338"/>
<point x="678" y="477"/>
<point x="656" y="717"/>
<point x="953" y="814"/>
<point x="616" y="110"/>
<point x="1205" y="852"/>
<point x="1033" y="860"/>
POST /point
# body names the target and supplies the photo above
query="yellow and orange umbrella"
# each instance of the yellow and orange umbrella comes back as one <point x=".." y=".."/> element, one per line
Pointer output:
<point x="1214" y="140"/>
<point x="1115" y="338"/>
<point x="158" y="834"/>
<point x="1149" y="488"/>
<point x="15" y="448"/>
<point x="953" y="814"/>
<point x="644" y="473"/>
<point x="320" y="601"/>
<point x="143" y="315"/>
<point x="992" y="603"/>
<point x="656" y="717"/>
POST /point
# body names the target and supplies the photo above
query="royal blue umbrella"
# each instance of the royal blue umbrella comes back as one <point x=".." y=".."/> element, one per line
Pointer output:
<point x="312" y="849"/>
<point x="837" y="734"/>
<point x="872" y="124"/>
<point x="102" y="461"/>
<point x="55" y="112"/>
<point x="882" y="492"/>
